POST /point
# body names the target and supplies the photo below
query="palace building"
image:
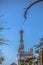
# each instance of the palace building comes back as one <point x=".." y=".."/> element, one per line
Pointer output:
<point x="28" y="57"/>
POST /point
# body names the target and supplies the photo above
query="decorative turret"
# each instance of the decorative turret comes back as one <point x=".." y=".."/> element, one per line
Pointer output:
<point x="21" y="46"/>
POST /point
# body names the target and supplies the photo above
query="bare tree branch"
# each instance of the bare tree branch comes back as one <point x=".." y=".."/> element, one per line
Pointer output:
<point x="27" y="9"/>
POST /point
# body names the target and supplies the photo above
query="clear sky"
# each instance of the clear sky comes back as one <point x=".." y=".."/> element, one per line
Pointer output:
<point x="13" y="11"/>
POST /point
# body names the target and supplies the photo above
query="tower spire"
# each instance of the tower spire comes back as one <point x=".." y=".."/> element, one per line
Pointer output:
<point x="21" y="46"/>
<point x="21" y="36"/>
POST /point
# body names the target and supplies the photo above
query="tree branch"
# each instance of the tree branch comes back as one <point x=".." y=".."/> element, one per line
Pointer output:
<point x="27" y="9"/>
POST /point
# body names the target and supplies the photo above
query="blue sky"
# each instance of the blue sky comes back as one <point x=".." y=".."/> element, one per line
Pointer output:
<point x="13" y="16"/>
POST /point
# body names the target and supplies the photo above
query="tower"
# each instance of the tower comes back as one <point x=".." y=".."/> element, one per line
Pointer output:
<point x="21" y="47"/>
<point x="24" y="57"/>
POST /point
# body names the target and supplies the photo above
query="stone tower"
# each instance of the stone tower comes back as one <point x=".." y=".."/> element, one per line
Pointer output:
<point x="24" y="57"/>
<point x="21" y="47"/>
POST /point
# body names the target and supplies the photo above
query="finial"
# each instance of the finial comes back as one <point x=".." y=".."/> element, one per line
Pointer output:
<point x="21" y="31"/>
